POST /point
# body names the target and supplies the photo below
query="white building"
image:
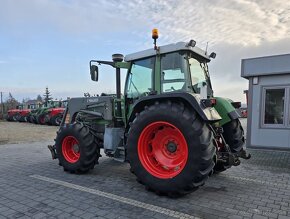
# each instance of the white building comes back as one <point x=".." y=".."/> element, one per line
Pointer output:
<point x="268" y="101"/>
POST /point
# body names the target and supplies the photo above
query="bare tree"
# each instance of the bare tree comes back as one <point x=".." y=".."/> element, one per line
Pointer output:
<point x="11" y="102"/>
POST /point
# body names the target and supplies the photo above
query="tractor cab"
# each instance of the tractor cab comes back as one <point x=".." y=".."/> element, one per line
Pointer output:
<point x="165" y="70"/>
<point x="20" y="107"/>
<point x="180" y="67"/>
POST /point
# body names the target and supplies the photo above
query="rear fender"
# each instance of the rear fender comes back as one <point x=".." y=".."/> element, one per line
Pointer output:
<point x="56" y="111"/>
<point x="12" y="112"/>
<point x="208" y="114"/>
<point x="24" y="112"/>
<point x="226" y="110"/>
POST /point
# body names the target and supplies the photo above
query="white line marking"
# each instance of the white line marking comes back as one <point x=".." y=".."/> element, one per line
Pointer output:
<point x="118" y="198"/>
<point x="259" y="181"/>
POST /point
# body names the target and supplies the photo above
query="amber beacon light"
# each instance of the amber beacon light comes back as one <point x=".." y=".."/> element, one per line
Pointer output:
<point x="155" y="37"/>
<point x="155" y="33"/>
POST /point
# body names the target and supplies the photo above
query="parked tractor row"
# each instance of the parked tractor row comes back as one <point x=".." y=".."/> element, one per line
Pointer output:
<point x="43" y="114"/>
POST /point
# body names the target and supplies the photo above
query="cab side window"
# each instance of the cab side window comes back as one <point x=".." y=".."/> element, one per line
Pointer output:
<point x="140" y="78"/>
<point x="173" y="72"/>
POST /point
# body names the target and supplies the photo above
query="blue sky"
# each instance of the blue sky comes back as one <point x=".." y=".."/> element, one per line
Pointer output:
<point x="50" y="42"/>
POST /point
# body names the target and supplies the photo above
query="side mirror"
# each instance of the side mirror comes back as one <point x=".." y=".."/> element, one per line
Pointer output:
<point x="94" y="72"/>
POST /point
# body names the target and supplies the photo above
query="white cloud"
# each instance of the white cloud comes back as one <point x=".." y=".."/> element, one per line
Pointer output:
<point x="235" y="22"/>
<point x="242" y="22"/>
<point x="225" y="70"/>
<point x="234" y="29"/>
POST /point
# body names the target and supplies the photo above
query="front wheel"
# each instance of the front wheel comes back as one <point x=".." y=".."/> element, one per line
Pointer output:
<point x="76" y="148"/>
<point x="9" y="118"/>
<point x="170" y="149"/>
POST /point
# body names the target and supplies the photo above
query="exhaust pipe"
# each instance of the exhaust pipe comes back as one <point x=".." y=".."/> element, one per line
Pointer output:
<point x="118" y="58"/>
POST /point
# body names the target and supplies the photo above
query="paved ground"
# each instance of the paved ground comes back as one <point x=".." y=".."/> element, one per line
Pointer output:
<point x="34" y="186"/>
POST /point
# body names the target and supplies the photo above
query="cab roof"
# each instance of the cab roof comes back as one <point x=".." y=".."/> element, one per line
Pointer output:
<point x="180" y="46"/>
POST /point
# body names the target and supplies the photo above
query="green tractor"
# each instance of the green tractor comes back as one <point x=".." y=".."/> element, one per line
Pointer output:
<point x="39" y="115"/>
<point x="33" y="113"/>
<point x="168" y="124"/>
<point x="37" y="109"/>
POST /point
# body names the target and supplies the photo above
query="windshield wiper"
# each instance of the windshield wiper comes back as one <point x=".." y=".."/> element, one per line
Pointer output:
<point x="132" y="83"/>
<point x="205" y="68"/>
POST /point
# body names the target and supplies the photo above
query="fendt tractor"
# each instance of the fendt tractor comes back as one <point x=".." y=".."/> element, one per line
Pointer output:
<point x="34" y="112"/>
<point x="168" y="124"/>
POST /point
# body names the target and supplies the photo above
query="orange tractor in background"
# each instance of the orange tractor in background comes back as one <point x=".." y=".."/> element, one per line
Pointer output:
<point x="13" y="115"/>
<point x="54" y="115"/>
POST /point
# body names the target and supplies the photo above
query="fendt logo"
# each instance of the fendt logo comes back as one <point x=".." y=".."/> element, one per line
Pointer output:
<point x="94" y="100"/>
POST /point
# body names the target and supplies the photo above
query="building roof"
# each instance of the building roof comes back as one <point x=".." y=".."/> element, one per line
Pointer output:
<point x="167" y="49"/>
<point x="29" y="102"/>
<point x="267" y="65"/>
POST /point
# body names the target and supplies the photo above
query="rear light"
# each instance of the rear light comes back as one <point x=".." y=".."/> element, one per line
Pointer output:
<point x="236" y="104"/>
<point x="213" y="101"/>
<point x="209" y="102"/>
<point x="67" y="118"/>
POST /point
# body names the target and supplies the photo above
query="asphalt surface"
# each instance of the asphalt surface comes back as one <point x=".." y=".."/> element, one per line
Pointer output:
<point x="32" y="185"/>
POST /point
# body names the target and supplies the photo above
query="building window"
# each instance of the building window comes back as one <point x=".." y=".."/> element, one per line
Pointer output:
<point x="274" y="107"/>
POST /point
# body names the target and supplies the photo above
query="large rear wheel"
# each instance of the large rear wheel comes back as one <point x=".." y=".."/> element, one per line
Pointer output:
<point x="76" y="148"/>
<point x="41" y="119"/>
<point x="34" y="119"/>
<point x="234" y="137"/>
<point x="16" y="117"/>
<point x="170" y="149"/>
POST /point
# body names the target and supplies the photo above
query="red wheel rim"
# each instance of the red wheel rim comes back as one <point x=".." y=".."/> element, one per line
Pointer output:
<point x="70" y="149"/>
<point x="162" y="150"/>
